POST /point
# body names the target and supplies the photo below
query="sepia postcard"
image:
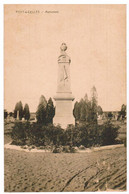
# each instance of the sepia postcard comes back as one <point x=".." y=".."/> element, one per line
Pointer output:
<point x="65" y="108"/>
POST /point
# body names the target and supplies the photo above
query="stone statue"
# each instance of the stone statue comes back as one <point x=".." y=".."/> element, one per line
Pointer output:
<point x="64" y="57"/>
<point x="64" y="72"/>
<point x="63" y="97"/>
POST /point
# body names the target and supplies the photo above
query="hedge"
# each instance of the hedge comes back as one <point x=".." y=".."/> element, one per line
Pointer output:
<point x="87" y="135"/>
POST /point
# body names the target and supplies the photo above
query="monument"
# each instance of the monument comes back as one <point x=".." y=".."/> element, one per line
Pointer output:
<point x="64" y="97"/>
<point x="17" y="114"/>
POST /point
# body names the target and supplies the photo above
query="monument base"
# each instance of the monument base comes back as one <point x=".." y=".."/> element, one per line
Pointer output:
<point x="64" y="110"/>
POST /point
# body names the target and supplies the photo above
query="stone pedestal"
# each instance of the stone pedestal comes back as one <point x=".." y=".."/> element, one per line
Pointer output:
<point x="64" y="97"/>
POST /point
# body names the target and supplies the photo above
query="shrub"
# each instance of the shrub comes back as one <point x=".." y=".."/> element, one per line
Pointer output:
<point x="81" y="147"/>
<point x="85" y="136"/>
<point x="57" y="150"/>
<point x="72" y="150"/>
<point x="37" y="134"/>
<point x="118" y="140"/>
<point x="125" y="142"/>
<point x="24" y="147"/>
<point x="32" y="147"/>
<point x="19" y="133"/>
<point x="109" y="133"/>
<point x="66" y="149"/>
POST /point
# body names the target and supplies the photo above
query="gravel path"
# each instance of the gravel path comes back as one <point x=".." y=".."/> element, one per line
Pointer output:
<point x="101" y="170"/>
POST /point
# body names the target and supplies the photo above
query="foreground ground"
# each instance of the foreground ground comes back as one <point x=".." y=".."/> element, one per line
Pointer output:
<point x="101" y="170"/>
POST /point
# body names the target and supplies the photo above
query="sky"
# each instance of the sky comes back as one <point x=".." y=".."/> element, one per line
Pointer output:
<point x="96" y="39"/>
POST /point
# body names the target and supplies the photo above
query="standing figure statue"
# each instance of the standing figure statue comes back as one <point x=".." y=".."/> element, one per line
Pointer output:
<point x="64" y="70"/>
<point x="63" y="98"/>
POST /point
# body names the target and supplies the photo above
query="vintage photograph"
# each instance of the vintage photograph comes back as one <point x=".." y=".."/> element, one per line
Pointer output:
<point x="65" y="98"/>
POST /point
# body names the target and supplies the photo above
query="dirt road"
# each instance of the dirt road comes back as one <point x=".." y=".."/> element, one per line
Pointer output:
<point x="101" y="170"/>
